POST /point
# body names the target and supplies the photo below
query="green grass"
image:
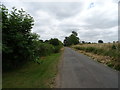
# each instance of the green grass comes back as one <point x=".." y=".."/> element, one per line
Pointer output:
<point x="33" y="75"/>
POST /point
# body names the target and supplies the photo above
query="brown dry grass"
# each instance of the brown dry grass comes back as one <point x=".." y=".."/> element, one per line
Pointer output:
<point x="111" y="59"/>
<point x="106" y="46"/>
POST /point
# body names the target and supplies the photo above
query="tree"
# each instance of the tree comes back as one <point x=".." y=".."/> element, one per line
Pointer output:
<point x="19" y="44"/>
<point x="66" y="41"/>
<point x="41" y="41"/>
<point x="17" y="39"/>
<point x="46" y="41"/>
<point x="74" y="33"/>
<point x="83" y="42"/>
<point x="54" y="41"/>
<point x="100" y="41"/>
<point x="72" y="39"/>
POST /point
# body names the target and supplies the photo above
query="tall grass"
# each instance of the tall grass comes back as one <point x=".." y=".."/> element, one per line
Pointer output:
<point x="105" y="49"/>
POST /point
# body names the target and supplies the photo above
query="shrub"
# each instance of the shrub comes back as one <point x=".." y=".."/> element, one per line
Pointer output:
<point x="57" y="49"/>
<point x="16" y="37"/>
<point x="111" y="50"/>
<point x="44" y="49"/>
<point x="114" y="47"/>
<point x="90" y="49"/>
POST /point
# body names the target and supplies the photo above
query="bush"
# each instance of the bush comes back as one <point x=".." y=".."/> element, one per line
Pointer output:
<point x="48" y="49"/>
<point x="16" y="37"/>
<point x="80" y="48"/>
<point x="57" y="44"/>
<point x="57" y="49"/>
<point x="114" y="47"/>
<point x="43" y="49"/>
<point x="90" y="49"/>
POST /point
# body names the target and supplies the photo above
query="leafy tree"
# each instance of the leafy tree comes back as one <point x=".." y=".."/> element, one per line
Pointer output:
<point x="100" y="41"/>
<point x="41" y="41"/>
<point x="46" y="41"/>
<point x="72" y="39"/>
<point x="66" y="41"/>
<point x="74" y="33"/>
<point x="83" y="42"/>
<point x="19" y="45"/>
<point x="54" y="42"/>
<point x="17" y="39"/>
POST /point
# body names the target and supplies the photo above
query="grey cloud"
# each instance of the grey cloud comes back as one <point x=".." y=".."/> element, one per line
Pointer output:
<point x="68" y="29"/>
<point x="94" y="35"/>
<point x="60" y="10"/>
<point x="96" y="27"/>
<point x="100" y="21"/>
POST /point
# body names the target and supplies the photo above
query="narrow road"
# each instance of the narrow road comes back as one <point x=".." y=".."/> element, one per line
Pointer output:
<point x="79" y="71"/>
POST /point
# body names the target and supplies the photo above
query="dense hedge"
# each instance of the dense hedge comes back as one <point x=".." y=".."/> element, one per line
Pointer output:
<point x="19" y="44"/>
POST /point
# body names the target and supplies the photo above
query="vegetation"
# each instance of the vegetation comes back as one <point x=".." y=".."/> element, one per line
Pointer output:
<point x="31" y="61"/>
<point x="28" y="61"/>
<point x="106" y="49"/>
<point x="56" y="43"/>
<point x="19" y="45"/>
<point x="72" y="39"/>
<point x="100" y="41"/>
<point x="33" y="75"/>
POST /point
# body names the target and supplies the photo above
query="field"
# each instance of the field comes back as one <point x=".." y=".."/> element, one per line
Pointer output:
<point x="34" y="75"/>
<point x="106" y="53"/>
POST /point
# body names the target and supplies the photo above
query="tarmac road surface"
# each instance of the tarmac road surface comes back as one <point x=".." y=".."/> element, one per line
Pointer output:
<point x="79" y="71"/>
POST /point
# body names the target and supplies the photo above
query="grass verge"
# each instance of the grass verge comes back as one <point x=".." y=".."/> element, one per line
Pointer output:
<point x="33" y="75"/>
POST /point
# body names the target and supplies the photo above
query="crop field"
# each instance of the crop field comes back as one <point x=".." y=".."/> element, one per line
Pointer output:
<point x="111" y="51"/>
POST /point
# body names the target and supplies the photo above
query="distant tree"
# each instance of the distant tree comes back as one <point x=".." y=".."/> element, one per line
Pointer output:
<point x="113" y="41"/>
<point x="72" y="39"/>
<point x="89" y="42"/>
<point x="74" y="33"/>
<point x="100" y="41"/>
<point x="41" y="41"/>
<point x="54" y="41"/>
<point x="66" y="42"/>
<point x="117" y="41"/>
<point x="83" y="42"/>
<point x="46" y="41"/>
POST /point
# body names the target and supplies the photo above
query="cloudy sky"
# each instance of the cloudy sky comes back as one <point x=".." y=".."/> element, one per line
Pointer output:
<point x="92" y="19"/>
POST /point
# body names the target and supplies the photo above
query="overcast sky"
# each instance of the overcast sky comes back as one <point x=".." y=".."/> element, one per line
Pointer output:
<point x="92" y="19"/>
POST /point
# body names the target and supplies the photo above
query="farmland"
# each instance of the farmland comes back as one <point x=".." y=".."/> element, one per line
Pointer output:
<point x="106" y="53"/>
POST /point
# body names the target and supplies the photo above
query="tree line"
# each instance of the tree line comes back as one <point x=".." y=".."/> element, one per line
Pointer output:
<point x="73" y="40"/>
<point x="19" y="44"/>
